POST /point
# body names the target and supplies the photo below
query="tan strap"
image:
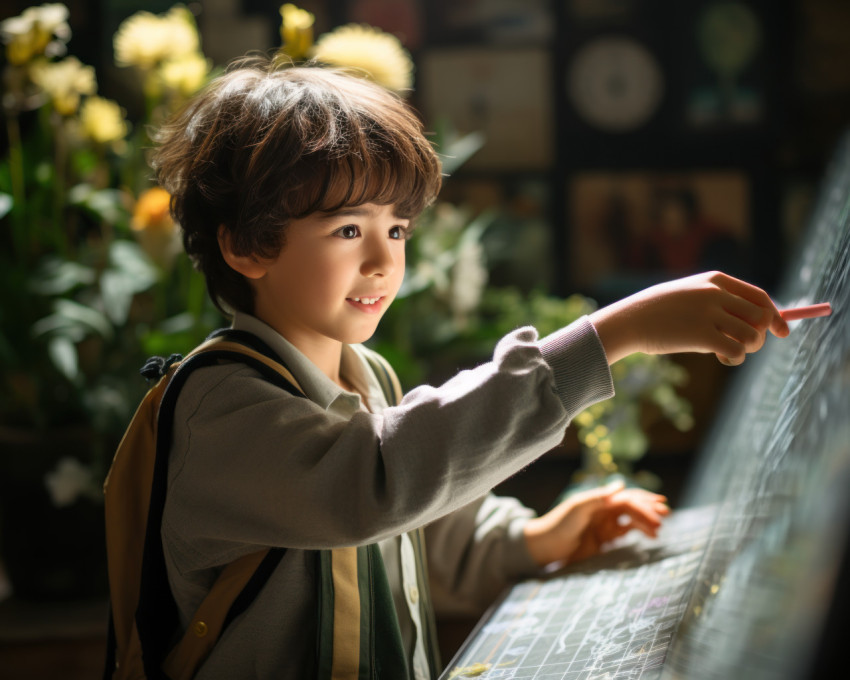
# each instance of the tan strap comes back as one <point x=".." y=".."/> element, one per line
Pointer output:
<point x="206" y="626"/>
<point x="202" y="633"/>
<point x="346" y="632"/>
<point x="220" y="343"/>
<point x="207" y="623"/>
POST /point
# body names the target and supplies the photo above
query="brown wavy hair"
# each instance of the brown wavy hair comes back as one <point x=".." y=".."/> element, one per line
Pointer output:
<point x="263" y="145"/>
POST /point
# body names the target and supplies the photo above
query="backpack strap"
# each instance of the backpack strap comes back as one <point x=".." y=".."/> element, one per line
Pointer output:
<point x="153" y="614"/>
<point x="241" y="581"/>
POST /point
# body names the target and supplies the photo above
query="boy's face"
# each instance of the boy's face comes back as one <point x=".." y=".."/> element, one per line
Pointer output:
<point x="335" y="276"/>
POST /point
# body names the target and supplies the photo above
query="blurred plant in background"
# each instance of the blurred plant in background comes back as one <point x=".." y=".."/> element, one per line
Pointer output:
<point x="92" y="279"/>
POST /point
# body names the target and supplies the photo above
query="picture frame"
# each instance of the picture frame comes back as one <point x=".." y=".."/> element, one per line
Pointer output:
<point x="504" y="94"/>
<point x="630" y="229"/>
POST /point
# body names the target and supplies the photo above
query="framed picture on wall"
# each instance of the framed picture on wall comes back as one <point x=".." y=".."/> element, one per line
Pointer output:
<point x="514" y="22"/>
<point x="723" y="67"/>
<point x="403" y="18"/>
<point x="631" y="229"/>
<point x="504" y="94"/>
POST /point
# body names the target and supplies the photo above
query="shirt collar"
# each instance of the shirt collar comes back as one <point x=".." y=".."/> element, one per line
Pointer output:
<point x="318" y="387"/>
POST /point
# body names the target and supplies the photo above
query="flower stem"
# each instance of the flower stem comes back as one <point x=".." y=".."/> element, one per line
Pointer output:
<point x="59" y="179"/>
<point x="16" y="170"/>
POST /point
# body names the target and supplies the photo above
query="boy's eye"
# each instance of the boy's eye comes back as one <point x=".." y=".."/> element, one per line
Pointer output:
<point x="398" y="233"/>
<point x="349" y="231"/>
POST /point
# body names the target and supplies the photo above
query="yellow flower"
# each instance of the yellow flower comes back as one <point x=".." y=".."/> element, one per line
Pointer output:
<point x="145" y="39"/>
<point x="64" y="82"/>
<point x="32" y="33"/>
<point x="152" y="211"/>
<point x="155" y="228"/>
<point x="296" y="30"/>
<point x="102" y="121"/>
<point x="368" y="51"/>
<point x="138" y="41"/>
<point x="185" y="74"/>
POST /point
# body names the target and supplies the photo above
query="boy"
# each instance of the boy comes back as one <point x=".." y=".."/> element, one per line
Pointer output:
<point x="296" y="190"/>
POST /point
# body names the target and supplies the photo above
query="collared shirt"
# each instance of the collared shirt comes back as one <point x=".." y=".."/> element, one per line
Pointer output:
<point x="397" y="551"/>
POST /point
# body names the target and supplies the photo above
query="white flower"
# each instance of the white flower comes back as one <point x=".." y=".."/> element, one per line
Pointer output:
<point x="145" y="39"/>
<point x="32" y="33"/>
<point x="367" y="51"/>
<point x="185" y="74"/>
<point x="64" y="82"/>
<point x="102" y="121"/>
<point x="69" y="480"/>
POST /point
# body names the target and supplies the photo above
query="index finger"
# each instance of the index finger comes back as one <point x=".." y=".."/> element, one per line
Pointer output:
<point x="757" y="296"/>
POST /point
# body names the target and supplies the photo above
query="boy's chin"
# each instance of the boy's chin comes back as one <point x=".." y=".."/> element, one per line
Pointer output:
<point x="359" y="336"/>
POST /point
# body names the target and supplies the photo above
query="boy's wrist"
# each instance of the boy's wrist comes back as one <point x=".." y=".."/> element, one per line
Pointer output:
<point x="615" y="329"/>
<point x="537" y="541"/>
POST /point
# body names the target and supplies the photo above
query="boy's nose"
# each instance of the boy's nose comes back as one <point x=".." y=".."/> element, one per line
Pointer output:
<point x="378" y="259"/>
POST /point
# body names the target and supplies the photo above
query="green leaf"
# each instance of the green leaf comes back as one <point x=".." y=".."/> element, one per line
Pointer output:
<point x="105" y="204"/>
<point x="109" y="205"/>
<point x="84" y="161"/>
<point x="476" y="228"/>
<point x="59" y="325"/>
<point x="629" y="442"/>
<point x="130" y="261"/>
<point x="459" y="151"/>
<point x="180" y="323"/>
<point x="6" y="204"/>
<point x="63" y="354"/>
<point x="116" y="292"/>
<point x="70" y="318"/>
<point x="56" y="276"/>
<point x="45" y="174"/>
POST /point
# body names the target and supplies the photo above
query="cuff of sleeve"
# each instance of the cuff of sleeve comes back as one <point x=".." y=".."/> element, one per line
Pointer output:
<point x="579" y="365"/>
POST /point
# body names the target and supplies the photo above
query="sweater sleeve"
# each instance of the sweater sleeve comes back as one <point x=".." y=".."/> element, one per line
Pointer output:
<point x="251" y="465"/>
<point x="476" y="552"/>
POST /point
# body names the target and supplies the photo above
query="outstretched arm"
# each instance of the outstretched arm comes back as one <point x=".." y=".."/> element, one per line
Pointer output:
<point x="710" y="312"/>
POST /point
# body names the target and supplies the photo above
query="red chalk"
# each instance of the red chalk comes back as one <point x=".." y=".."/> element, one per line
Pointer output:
<point x="807" y="312"/>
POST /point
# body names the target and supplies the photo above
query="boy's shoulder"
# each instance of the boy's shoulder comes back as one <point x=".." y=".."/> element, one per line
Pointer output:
<point x="208" y="370"/>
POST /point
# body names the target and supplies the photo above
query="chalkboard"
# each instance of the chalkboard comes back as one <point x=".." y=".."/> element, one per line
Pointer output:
<point x="749" y="578"/>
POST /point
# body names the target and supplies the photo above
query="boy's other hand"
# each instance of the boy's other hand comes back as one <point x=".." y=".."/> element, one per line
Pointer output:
<point x="582" y="524"/>
<point x="710" y="312"/>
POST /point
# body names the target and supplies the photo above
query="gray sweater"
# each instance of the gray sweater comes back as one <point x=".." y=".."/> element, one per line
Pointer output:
<point x="252" y="466"/>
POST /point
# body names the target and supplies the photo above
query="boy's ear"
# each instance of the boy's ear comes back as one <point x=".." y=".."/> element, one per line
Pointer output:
<point x="247" y="265"/>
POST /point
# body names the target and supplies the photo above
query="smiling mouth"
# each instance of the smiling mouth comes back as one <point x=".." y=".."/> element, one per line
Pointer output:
<point x="367" y="304"/>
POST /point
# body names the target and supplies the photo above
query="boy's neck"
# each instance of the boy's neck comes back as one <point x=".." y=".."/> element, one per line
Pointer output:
<point x="323" y="351"/>
<point x="327" y="356"/>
